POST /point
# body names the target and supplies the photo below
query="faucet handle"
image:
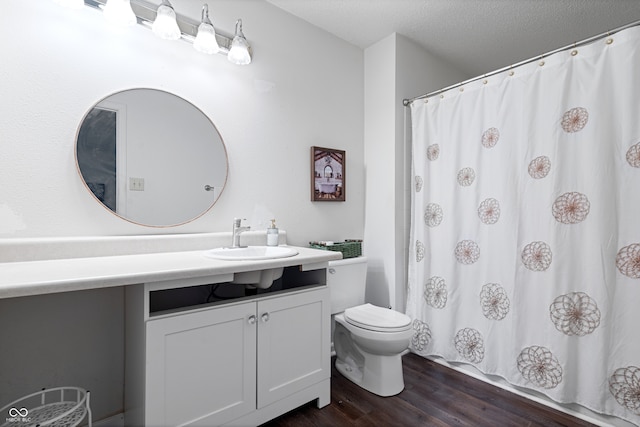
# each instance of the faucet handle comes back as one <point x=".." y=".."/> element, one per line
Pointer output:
<point x="238" y="221"/>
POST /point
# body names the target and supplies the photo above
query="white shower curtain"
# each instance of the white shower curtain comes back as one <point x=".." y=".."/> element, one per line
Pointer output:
<point x="525" y="236"/>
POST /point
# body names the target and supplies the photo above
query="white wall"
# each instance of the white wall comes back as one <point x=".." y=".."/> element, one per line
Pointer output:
<point x="304" y="88"/>
<point x="380" y="169"/>
<point x="395" y="69"/>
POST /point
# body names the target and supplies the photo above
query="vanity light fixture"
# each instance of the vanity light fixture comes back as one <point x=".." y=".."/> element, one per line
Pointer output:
<point x="205" y="41"/>
<point x="202" y="34"/>
<point x="239" y="52"/>
<point x="119" y="12"/>
<point x="165" y="25"/>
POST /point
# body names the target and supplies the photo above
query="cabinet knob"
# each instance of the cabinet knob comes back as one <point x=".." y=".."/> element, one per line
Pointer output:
<point x="251" y="320"/>
<point x="265" y="317"/>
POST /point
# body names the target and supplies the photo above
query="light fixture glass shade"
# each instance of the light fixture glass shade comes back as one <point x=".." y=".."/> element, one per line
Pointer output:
<point x="119" y="12"/>
<point x="239" y="51"/>
<point x="205" y="41"/>
<point x="71" y="4"/>
<point x="165" y="25"/>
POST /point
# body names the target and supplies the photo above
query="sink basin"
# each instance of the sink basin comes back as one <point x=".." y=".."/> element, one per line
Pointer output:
<point x="251" y="253"/>
<point x="259" y="278"/>
<point x="262" y="279"/>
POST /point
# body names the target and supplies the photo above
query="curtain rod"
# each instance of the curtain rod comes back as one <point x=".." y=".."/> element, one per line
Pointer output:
<point x="406" y="102"/>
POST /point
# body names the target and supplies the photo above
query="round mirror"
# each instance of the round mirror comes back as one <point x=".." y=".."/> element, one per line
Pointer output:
<point x="151" y="157"/>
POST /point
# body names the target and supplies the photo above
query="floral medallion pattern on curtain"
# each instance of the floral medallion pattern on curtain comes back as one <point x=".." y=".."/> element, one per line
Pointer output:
<point x="525" y="236"/>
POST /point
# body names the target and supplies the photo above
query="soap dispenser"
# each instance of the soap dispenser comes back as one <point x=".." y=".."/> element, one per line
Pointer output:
<point x="272" y="234"/>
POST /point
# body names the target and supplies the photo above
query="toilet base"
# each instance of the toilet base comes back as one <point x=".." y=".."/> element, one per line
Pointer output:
<point x="381" y="375"/>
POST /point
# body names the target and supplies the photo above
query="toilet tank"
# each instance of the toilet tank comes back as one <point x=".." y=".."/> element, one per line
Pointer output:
<point x="347" y="280"/>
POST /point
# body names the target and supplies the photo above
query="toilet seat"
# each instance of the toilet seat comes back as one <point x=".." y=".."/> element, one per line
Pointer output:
<point x="374" y="318"/>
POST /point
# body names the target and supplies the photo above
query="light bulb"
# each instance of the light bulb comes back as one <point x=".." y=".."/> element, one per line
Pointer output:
<point x="119" y="12"/>
<point x="205" y="41"/>
<point x="165" y="25"/>
<point x="239" y="51"/>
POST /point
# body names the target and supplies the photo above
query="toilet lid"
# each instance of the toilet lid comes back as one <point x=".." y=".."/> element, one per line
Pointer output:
<point x="374" y="318"/>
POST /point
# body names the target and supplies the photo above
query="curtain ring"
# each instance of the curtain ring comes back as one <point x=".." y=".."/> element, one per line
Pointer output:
<point x="574" y="52"/>
<point x="609" y="40"/>
<point x="541" y="63"/>
<point x="511" y="72"/>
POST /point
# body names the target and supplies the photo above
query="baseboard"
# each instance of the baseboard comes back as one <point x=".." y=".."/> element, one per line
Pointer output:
<point x="114" y="421"/>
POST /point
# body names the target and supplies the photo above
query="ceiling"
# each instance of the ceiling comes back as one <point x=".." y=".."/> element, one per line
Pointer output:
<point x="475" y="36"/>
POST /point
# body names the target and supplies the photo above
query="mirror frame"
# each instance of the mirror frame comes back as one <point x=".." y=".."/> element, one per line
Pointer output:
<point x="84" y="183"/>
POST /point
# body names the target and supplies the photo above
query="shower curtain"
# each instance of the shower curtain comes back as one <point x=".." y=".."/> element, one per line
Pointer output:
<point x="525" y="237"/>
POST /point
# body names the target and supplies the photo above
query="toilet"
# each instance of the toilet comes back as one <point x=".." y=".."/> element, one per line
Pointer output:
<point x="368" y="340"/>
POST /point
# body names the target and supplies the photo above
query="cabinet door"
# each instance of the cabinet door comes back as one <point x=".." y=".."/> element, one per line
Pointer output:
<point x="201" y="366"/>
<point x="293" y="344"/>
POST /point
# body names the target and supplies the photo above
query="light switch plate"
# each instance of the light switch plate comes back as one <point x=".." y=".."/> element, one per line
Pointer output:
<point x="136" y="184"/>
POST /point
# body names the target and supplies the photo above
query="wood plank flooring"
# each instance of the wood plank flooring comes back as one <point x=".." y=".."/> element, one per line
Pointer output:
<point x="434" y="395"/>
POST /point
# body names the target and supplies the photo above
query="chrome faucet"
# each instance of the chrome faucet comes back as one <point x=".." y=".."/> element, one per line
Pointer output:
<point x="237" y="229"/>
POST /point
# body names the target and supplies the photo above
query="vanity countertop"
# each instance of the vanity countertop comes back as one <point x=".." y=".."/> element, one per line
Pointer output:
<point x="23" y="278"/>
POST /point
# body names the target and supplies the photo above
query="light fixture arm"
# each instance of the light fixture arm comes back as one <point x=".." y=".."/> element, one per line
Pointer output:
<point x="146" y="13"/>
<point x="205" y="14"/>
<point x="239" y="28"/>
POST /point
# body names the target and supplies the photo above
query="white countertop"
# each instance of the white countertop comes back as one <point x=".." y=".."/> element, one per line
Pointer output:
<point x="35" y="277"/>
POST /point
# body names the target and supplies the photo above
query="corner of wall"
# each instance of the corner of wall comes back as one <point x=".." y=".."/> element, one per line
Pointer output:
<point x="395" y="68"/>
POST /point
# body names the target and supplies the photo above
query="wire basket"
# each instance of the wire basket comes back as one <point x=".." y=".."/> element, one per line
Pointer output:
<point x="59" y="407"/>
<point x="350" y="248"/>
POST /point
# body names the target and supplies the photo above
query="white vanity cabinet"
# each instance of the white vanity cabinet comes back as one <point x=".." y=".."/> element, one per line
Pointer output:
<point x="294" y="344"/>
<point x="201" y="367"/>
<point x="236" y="363"/>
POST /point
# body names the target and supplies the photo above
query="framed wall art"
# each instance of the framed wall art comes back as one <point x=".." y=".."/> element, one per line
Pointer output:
<point x="327" y="175"/>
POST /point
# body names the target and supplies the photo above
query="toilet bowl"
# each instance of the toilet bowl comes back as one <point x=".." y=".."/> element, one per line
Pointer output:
<point x="368" y="340"/>
<point x="370" y="355"/>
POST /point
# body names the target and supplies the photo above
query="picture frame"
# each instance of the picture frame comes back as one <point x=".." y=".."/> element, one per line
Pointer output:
<point x="328" y="175"/>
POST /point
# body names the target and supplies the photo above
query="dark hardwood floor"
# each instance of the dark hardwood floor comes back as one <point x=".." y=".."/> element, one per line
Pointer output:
<point x="434" y="395"/>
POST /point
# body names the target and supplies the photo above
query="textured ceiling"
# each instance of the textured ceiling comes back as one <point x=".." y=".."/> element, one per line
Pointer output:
<point x="476" y="36"/>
